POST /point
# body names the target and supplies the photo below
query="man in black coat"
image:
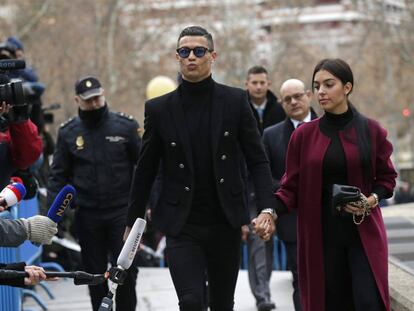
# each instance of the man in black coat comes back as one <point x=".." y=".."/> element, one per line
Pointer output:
<point x="267" y="112"/>
<point x="265" y="106"/>
<point x="296" y="102"/>
<point x="202" y="132"/>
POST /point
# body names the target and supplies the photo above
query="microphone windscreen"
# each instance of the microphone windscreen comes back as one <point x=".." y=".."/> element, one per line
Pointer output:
<point x="12" y="64"/>
<point x="127" y="255"/>
<point x="61" y="203"/>
<point x="13" y="193"/>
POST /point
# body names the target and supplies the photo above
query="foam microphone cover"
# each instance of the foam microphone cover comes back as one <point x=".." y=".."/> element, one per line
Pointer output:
<point x="127" y="255"/>
<point x="13" y="193"/>
<point x="61" y="203"/>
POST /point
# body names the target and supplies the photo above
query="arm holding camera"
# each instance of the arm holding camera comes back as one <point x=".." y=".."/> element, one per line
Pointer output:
<point x="25" y="142"/>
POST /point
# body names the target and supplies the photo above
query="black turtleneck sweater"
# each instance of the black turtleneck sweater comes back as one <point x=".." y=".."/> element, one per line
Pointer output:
<point x="338" y="229"/>
<point x="196" y="100"/>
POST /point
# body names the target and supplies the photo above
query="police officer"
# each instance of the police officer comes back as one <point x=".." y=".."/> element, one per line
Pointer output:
<point x="96" y="152"/>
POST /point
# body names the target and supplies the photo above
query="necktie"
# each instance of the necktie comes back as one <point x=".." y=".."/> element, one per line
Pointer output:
<point x="260" y="111"/>
<point x="299" y="124"/>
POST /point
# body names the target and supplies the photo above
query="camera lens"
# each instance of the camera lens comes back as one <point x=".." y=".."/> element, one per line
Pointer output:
<point x="12" y="93"/>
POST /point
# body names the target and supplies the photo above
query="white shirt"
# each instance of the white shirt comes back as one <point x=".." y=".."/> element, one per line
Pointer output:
<point x="306" y="119"/>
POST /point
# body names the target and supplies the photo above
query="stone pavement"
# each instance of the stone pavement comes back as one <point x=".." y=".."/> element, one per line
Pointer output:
<point x="156" y="293"/>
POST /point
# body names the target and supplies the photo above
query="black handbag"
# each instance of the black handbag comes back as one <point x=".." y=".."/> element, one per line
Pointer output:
<point x="343" y="194"/>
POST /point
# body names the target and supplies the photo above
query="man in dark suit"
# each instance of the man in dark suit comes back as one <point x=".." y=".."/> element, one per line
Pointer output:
<point x="296" y="102"/>
<point x="201" y="133"/>
<point x="267" y="111"/>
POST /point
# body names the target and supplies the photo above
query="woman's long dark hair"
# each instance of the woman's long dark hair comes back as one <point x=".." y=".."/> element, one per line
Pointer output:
<point x="340" y="69"/>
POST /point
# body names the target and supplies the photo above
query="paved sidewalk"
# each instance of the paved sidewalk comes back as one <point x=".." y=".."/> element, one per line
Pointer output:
<point x="156" y="293"/>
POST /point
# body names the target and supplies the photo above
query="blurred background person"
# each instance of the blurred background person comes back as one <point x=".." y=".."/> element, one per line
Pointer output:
<point x="267" y="111"/>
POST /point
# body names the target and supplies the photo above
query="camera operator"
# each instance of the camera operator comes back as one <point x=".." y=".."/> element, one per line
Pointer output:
<point x="20" y="144"/>
<point x="28" y="73"/>
<point x="36" y="175"/>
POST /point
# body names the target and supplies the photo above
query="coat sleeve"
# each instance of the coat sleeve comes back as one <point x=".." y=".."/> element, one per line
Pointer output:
<point x="134" y="143"/>
<point x="25" y="144"/>
<point x="254" y="153"/>
<point x="267" y="142"/>
<point x="385" y="173"/>
<point x="12" y="232"/>
<point x="17" y="282"/>
<point x="60" y="170"/>
<point x="289" y="184"/>
<point x="147" y="166"/>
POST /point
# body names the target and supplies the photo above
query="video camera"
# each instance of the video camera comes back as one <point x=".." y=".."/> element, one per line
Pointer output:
<point x="10" y="92"/>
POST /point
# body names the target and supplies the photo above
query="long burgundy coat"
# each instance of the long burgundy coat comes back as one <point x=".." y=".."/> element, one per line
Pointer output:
<point x="301" y="188"/>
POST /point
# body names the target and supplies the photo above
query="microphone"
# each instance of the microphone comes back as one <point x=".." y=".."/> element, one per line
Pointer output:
<point x="127" y="255"/>
<point x="118" y="274"/>
<point x="13" y="194"/>
<point x="61" y="203"/>
<point x="12" y="64"/>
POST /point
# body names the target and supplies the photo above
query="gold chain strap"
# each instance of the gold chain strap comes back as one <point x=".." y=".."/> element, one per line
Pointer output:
<point x="364" y="205"/>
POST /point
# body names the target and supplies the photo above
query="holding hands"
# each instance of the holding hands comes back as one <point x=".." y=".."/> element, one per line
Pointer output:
<point x="264" y="225"/>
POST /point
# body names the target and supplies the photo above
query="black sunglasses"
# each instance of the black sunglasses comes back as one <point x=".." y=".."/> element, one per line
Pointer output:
<point x="199" y="51"/>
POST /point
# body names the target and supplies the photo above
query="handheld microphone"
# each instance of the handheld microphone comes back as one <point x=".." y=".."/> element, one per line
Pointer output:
<point x="118" y="274"/>
<point x="127" y="255"/>
<point x="11" y="64"/>
<point x="13" y="194"/>
<point x="61" y="203"/>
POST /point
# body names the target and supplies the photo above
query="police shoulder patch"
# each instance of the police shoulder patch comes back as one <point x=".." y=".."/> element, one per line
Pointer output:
<point x="125" y="116"/>
<point x="68" y="121"/>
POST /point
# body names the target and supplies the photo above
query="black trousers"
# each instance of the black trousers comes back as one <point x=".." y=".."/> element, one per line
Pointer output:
<point x="291" y="258"/>
<point x="100" y="236"/>
<point x="349" y="281"/>
<point x="214" y="249"/>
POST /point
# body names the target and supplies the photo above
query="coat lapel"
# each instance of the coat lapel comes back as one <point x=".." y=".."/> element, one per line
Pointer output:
<point x="177" y="112"/>
<point x="217" y="109"/>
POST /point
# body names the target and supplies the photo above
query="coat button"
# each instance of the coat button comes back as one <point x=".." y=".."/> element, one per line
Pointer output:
<point x="223" y="157"/>
<point x="226" y="134"/>
<point x="181" y="165"/>
<point x="221" y="181"/>
<point x="173" y="144"/>
<point x="187" y="189"/>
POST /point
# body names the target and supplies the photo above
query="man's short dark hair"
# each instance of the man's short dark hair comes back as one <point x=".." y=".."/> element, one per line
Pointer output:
<point x="197" y="31"/>
<point x="256" y="70"/>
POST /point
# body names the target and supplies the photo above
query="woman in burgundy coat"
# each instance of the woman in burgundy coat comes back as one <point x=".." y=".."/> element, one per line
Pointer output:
<point x="342" y="257"/>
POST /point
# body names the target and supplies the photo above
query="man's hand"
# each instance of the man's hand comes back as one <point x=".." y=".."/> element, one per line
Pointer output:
<point x="126" y="233"/>
<point x="264" y="226"/>
<point x="36" y="274"/>
<point x="3" y="204"/>
<point x="4" y="108"/>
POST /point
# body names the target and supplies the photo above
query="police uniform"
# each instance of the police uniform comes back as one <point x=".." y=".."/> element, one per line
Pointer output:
<point x="97" y="157"/>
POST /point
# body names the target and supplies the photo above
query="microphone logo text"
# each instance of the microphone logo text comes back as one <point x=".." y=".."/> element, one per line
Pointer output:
<point x="65" y="204"/>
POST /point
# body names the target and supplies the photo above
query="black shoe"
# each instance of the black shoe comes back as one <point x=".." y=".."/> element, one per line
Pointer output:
<point x="266" y="306"/>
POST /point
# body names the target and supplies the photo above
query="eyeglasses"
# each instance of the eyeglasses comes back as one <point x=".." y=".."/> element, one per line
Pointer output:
<point x="199" y="51"/>
<point x="288" y="99"/>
